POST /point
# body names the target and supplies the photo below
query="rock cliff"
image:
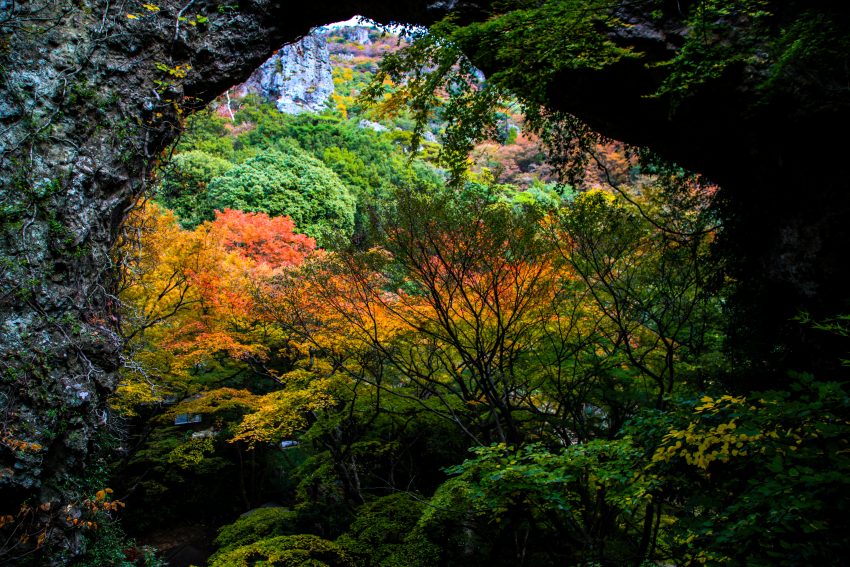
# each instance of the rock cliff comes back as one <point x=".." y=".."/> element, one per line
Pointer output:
<point x="298" y="78"/>
<point x="356" y="34"/>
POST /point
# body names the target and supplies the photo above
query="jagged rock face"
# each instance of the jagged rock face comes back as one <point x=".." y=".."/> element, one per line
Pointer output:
<point x="372" y="125"/>
<point x="298" y="78"/>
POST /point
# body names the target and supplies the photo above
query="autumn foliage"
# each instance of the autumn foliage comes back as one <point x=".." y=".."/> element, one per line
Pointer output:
<point x="571" y="337"/>
<point x="189" y="292"/>
<point x="263" y="239"/>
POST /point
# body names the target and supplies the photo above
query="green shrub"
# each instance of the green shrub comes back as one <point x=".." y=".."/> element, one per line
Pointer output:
<point x="285" y="551"/>
<point x="382" y="533"/>
<point x="109" y="545"/>
<point x="184" y="184"/>
<point x="254" y="526"/>
<point x="291" y="183"/>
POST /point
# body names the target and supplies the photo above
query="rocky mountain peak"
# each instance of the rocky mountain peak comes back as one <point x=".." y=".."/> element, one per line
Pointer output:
<point x="298" y="78"/>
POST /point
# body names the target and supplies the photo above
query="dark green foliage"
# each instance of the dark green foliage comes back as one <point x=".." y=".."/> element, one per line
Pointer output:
<point x="383" y="533"/>
<point x="108" y="545"/>
<point x="815" y="44"/>
<point x="778" y="495"/>
<point x="290" y="183"/>
<point x="721" y="34"/>
<point x="549" y="507"/>
<point x="372" y="445"/>
<point x="179" y="476"/>
<point x="526" y="44"/>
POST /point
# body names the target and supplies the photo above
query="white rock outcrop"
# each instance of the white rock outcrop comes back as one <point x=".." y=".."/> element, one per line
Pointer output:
<point x="298" y="78"/>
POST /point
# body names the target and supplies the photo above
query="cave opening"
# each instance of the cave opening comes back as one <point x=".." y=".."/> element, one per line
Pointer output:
<point x="279" y="337"/>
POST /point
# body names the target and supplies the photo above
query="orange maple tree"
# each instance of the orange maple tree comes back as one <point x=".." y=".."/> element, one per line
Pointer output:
<point x="450" y="309"/>
<point x="189" y="293"/>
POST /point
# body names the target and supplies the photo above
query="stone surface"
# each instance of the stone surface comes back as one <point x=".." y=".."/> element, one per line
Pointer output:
<point x="372" y="125"/>
<point x="298" y="78"/>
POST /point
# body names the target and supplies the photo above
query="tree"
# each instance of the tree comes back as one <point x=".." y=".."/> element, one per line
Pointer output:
<point x="262" y="239"/>
<point x="451" y="309"/>
<point x="532" y="505"/>
<point x="198" y="347"/>
<point x="186" y="295"/>
<point x="648" y="281"/>
<point x="290" y="183"/>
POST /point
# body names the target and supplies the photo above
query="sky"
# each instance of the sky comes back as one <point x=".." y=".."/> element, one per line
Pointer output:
<point x="355" y="21"/>
<point x="361" y="21"/>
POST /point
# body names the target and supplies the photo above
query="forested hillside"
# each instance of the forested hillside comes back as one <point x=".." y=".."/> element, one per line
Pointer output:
<point x="414" y="315"/>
